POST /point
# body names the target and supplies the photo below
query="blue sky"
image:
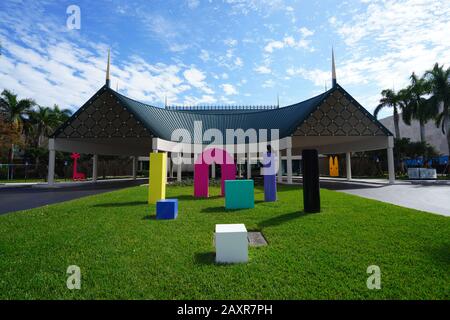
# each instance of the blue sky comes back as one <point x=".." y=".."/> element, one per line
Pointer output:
<point x="219" y="51"/>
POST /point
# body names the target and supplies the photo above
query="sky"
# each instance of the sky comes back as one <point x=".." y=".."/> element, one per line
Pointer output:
<point x="218" y="52"/>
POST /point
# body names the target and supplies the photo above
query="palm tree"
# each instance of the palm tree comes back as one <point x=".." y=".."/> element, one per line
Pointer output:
<point x="46" y="120"/>
<point x="61" y="115"/>
<point x="16" y="112"/>
<point x="43" y="121"/>
<point x="392" y="100"/>
<point x="439" y="81"/>
<point x="418" y="107"/>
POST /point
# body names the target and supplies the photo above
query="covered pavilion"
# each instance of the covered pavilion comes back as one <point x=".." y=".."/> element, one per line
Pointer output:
<point x="110" y="123"/>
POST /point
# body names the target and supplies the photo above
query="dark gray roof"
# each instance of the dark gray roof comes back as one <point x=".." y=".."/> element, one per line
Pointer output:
<point x="162" y="122"/>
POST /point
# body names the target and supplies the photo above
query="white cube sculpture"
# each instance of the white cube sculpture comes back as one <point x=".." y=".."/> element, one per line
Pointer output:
<point x="231" y="243"/>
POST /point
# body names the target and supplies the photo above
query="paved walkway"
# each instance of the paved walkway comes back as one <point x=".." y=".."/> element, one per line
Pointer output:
<point x="430" y="196"/>
<point x="23" y="197"/>
<point x="425" y="197"/>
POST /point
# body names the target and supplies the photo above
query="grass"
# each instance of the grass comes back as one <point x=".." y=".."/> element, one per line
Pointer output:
<point x="123" y="252"/>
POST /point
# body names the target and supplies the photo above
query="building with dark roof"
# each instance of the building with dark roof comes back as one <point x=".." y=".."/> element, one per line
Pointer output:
<point x="110" y="123"/>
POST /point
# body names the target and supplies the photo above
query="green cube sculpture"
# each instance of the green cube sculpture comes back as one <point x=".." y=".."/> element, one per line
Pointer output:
<point x="239" y="194"/>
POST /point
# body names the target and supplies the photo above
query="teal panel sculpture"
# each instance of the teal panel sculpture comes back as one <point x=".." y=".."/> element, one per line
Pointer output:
<point x="239" y="194"/>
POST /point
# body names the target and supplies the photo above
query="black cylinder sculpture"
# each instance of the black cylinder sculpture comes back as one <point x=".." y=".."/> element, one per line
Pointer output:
<point x="311" y="187"/>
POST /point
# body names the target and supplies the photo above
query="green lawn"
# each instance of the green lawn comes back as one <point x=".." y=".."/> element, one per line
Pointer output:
<point x="123" y="252"/>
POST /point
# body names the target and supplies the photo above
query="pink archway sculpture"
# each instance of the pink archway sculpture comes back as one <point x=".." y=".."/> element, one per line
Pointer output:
<point x="201" y="170"/>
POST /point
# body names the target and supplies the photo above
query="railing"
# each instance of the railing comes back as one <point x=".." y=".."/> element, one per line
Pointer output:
<point x="222" y="107"/>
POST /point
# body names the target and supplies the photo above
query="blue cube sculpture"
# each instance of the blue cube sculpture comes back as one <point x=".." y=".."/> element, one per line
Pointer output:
<point x="239" y="194"/>
<point x="167" y="209"/>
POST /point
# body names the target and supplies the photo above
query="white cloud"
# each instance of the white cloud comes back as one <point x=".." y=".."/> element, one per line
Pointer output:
<point x="268" y="84"/>
<point x="238" y="62"/>
<point x="229" y="89"/>
<point x="317" y="76"/>
<point x="197" y="78"/>
<point x="274" y="45"/>
<point x="204" y="55"/>
<point x="263" y="7"/>
<point x="263" y="70"/>
<point x="231" y="42"/>
<point x="171" y="33"/>
<point x="388" y="40"/>
<point x="306" y="32"/>
<point x="51" y="66"/>
<point x="288" y="42"/>
<point x="204" y="99"/>
<point x="192" y="4"/>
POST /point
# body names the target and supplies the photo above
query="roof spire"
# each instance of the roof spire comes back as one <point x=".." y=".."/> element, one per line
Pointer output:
<point x="278" y="100"/>
<point x="108" y="80"/>
<point x="333" y="69"/>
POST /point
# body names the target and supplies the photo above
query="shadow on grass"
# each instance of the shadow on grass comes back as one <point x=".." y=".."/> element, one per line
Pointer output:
<point x="182" y="197"/>
<point x="149" y="217"/>
<point x="191" y="197"/>
<point x="205" y="258"/>
<point x="120" y="204"/>
<point x="222" y="209"/>
<point x="209" y="259"/>
<point x="278" y="220"/>
<point x="440" y="254"/>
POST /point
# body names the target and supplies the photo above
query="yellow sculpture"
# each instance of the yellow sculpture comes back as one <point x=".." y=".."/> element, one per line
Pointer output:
<point x="334" y="166"/>
<point x="157" y="177"/>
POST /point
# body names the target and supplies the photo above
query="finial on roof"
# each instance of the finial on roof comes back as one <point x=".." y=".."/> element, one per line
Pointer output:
<point x="278" y="100"/>
<point x="333" y="69"/>
<point x="108" y="80"/>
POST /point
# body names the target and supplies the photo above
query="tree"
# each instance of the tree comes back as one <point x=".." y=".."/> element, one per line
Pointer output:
<point x="390" y="99"/>
<point x="16" y="112"/>
<point x="61" y="115"/>
<point x="438" y="79"/>
<point x="45" y="120"/>
<point x="8" y="136"/>
<point x="417" y="106"/>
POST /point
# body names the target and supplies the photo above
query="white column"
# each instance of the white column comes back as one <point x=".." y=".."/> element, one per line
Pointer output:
<point x="239" y="166"/>
<point x="170" y="166"/>
<point x="94" y="167"/>
<point x="249" y="165"/>
<point x="51" y="162"/>
<point x="134" y="167"/>
<point x="289" y="161"/>
<point x="280" y="167"/>
<point x="348" y="162"/>
<point x="390" y="158"/>
<point x="179" y="166"/>
<point x="213" y="172"/>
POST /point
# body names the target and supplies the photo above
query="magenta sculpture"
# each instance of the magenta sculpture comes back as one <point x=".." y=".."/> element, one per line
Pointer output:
<point x="201" y="170"/>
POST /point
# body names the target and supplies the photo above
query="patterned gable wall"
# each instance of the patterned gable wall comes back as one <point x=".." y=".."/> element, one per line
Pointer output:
<point x="103" y="118"/>
<point x="339" y="116"/>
